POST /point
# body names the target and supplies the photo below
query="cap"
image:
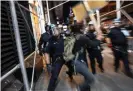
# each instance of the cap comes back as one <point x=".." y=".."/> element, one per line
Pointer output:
<point x="117" y="21"/>
<point x="91" y="23"/>
<point x="64" y="27"/>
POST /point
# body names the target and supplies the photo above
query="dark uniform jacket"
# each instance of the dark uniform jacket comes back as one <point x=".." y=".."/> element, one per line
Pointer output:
<point x="117" y="37"/>
<point x="55" y="47"/>
<point x="92" y="37"/>
<point x="43" y="40"/>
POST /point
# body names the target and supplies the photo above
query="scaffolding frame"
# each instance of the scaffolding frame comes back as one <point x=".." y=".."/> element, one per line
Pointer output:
<point x="19" y="47"/>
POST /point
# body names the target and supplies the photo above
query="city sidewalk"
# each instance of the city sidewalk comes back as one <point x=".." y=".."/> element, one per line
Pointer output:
<point x="107" y="81"/>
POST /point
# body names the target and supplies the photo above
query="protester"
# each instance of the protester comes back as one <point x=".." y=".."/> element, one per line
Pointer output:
<point x="80" y="64"/>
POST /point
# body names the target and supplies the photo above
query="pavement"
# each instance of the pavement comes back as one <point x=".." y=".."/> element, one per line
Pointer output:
<point x="107" y="81"/>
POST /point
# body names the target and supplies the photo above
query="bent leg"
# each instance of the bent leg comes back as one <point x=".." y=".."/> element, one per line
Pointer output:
<point x="54" y="75"/>
<point x="82" y="69"/>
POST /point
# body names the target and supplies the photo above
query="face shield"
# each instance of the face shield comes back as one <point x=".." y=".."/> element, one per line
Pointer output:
<point x="56" y="32"/>
<point x="60" y="28"/>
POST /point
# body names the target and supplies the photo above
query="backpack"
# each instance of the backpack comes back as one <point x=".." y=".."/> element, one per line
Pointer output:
<point x="68" y="48"/>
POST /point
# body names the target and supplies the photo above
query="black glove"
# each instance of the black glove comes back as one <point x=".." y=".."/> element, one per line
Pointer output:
<point x="40" y="53"/>
<point x="49" y="68"/>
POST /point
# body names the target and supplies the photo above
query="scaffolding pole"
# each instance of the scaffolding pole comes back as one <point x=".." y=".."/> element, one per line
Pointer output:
<point x="127" y="15"/>
<point x="98" y="17"/>
<point x="25" y="20"/>
<point x="9" y="73"/>
<point x="49" y="22"/>
<point x="28" y="10"/>
<point x="19" y="45"/>
<point x="91" y="15"/>
<point x="41" y="15"/>
<point x="116" y="10"/>
<point x="15" y="68"/>
<point x="58" y="5"/>
<point x="118" y="5"/>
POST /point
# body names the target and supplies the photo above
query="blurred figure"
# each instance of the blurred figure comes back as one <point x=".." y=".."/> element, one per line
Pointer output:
<point x="44" y="39"/>
<point x="119" y="46"/>
<point x="129" y="27"/>
<point x="65" y="31"/>
<point x="125" y="31"/>
<point x="42" y="44"/>
<point x="79" y="62"/>
<point x="55" y="49"/>
<point x="94" y="52"/>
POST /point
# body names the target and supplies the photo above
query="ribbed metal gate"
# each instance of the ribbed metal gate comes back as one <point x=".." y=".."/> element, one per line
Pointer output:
<point x="9" y="57"/>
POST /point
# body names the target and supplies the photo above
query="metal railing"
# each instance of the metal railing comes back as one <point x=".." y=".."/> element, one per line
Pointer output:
<point x="19" y="47"/>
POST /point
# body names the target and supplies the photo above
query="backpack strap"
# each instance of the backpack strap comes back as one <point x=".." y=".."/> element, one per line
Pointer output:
<point x="76" y="58"/>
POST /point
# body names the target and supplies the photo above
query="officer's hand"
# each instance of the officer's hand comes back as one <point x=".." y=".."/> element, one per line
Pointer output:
<point x="40" y="53"/>
<point x="99" y="37"/>
<point x="109" y="45"/>
<point x="49" y="68"/>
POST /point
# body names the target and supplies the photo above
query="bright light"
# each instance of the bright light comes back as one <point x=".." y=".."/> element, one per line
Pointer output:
<point x="31" y="1"/>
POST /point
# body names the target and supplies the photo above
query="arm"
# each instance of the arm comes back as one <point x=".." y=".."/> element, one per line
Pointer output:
<point x="40" y="45"/>
<point x="108" y="40"/>
<point x="88" y="42"/>
<point x="40" y="42"/>
<point x="47" y="57"/>
<point x="47" y="53"/>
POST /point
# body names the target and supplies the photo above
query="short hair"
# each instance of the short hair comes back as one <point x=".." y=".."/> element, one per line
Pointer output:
<point x="47" y="27"/>
<point x="76" y="27"/>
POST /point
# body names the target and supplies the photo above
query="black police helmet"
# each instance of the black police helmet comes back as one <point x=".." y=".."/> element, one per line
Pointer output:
<point x="47" y="28"/>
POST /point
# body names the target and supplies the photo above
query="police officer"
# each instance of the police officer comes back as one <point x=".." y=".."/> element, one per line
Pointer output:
<point x="119" y="46"/>
<point x="44" y="39"/>
<point x="55" y="49"/>
<point x="42" y="43"/>
<point x="94" y="52"/>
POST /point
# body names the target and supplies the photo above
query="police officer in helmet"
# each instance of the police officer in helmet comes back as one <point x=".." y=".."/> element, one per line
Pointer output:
<point x="55" y="49"/>
<point x="94" y="52"/>
<point x="119" y="46"/>
<point x="42" y="44"/>
<point x="44" y="39"/>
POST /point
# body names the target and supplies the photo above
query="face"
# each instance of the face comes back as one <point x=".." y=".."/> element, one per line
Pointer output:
<point x="56" y="32"/>
<point x="91" y="27"/>
<point x="47" y="28"/>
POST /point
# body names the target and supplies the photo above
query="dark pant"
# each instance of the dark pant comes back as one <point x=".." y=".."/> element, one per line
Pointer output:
<point x="96" y="55"/>
<point x="70" y="69"/>
<point x="121" y="55"/>
<point x="81" y="68"/>
<point x="56" y="67"/>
